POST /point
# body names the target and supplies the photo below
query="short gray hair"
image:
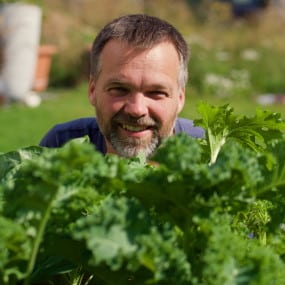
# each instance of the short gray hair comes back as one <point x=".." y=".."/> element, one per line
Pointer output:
<point x="141" y="31"/>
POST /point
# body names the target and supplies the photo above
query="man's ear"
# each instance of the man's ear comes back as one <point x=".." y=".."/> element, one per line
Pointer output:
<point x="181" y="99"/>
<point x="91" y="90"/>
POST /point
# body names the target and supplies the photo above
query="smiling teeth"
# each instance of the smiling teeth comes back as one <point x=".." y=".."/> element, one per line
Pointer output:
<point x="134" y="128"/>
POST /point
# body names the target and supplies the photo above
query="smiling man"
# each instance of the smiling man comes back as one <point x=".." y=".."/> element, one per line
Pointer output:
<point x="137" y="87"/>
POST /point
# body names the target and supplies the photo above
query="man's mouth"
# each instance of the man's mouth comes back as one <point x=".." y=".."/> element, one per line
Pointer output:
<point x="132" y="128"/>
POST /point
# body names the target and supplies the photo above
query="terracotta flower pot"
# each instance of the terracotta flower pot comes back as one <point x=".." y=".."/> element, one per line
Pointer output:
<point x="44" y="60"/>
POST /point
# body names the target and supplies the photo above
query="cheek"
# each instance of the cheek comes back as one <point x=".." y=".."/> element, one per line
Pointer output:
<point x="107" y="106"/>
<point x="165" y="112"/>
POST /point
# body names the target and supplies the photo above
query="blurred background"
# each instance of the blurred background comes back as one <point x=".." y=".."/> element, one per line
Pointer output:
<point x="237" y="57"/>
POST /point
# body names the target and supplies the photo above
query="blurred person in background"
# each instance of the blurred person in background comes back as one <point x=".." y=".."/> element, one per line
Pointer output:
<point x="138" y="74"/>
<point x="247" y="8"/>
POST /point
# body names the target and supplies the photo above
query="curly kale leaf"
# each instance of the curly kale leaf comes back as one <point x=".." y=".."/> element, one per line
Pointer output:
<point x="11" y="161"/>
<point x="233" y="259"/>
<point x="15" y="250"/>
<point x="122" y="235"/>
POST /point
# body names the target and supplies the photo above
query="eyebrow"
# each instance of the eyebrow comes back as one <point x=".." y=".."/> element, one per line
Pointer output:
<point x="123" y="82"/>
<point x="116" y="81"/>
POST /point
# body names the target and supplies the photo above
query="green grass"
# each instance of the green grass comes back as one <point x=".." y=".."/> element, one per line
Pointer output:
<point x="22" y="126"/>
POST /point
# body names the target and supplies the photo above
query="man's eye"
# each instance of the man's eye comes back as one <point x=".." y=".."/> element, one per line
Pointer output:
<point x="118" y="91"/>
<point x="157" y="93"/>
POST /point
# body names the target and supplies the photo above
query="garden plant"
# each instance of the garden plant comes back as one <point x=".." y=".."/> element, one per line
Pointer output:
<point x="201" y="211"/>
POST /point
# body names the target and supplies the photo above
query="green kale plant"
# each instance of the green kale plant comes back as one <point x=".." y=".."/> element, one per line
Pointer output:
<point x="202" y="211"/>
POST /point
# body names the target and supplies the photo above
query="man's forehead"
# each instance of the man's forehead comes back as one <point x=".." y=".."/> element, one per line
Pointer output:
<point x="136" y="48"/>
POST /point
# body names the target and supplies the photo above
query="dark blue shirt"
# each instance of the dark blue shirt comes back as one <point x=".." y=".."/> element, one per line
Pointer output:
<point x="62" y="133"/>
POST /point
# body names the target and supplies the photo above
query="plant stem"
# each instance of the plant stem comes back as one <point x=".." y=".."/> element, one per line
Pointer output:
<point x="37" y="242"/>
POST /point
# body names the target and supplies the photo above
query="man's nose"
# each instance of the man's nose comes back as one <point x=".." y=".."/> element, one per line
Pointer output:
<point x="136" y="105"/>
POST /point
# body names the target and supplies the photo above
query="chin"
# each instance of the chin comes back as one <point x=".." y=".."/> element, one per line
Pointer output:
<point x="131" y="149"/>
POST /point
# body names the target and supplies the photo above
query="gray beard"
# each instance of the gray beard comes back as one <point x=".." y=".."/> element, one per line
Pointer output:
<point x="132" y="147"/>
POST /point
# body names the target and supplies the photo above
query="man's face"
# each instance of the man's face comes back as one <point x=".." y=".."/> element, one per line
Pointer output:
<point x="136" y="96"/>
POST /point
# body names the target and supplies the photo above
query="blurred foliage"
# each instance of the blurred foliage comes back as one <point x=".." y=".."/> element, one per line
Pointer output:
<point x="72" y="25"/>
<point x="219" y="43"/>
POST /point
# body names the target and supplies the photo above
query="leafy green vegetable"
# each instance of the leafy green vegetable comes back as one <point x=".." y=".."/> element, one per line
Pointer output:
<point x="74" y="216"/>
<point x="221" y="124"/>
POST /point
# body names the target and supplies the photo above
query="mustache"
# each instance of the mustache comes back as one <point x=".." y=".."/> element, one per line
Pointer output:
<point x="121" y="118"/>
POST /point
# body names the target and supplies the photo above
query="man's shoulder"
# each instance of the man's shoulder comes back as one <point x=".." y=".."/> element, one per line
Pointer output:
<point x="64" y="132"/>
<point x="187" y="126"/>
<point x="77" y="125"/>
